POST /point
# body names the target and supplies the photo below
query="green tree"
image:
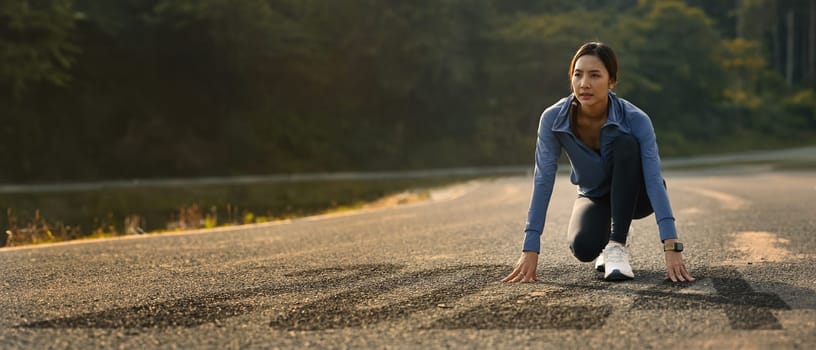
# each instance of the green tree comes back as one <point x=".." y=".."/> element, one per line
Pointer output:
<point x="36" y="43"/>
<point x="527" y="70"/>
<point x="668" y="54"/>
<point x="97" y="89"/>
<point x="37" y="51"/>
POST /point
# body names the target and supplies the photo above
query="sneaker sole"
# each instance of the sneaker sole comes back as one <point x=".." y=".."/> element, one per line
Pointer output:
<point x="616" y="275"/>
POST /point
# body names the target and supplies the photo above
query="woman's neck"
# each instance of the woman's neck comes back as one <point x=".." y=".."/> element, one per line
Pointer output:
<point x="596" y="112"/>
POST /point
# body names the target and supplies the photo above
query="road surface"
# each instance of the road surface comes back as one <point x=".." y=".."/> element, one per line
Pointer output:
<point x="426" y="275"/>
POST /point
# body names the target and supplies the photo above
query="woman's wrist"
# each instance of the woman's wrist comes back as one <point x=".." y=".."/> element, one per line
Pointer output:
<point x="672" y="246"/>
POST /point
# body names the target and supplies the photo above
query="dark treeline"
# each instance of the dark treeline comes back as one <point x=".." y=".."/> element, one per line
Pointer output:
<point x="98" y="89"/>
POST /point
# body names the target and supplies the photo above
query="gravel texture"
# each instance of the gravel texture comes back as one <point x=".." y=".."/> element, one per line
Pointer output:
<point x="426" y="275"/>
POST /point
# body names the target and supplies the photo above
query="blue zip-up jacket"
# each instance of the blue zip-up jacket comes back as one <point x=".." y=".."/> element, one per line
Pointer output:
<point x="592" y="171"/>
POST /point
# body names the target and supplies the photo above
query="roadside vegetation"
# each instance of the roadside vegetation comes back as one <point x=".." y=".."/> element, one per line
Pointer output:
<point x="60" y="216"/>
<point x="97" y="89"/>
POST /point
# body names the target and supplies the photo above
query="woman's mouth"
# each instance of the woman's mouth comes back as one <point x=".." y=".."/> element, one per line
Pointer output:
<point x="585" y="96"/>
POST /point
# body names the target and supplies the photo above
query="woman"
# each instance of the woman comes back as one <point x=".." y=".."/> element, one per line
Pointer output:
<point x="613" y="151"/>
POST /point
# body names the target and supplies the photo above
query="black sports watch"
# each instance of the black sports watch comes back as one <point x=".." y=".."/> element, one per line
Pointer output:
<point x="673" y="247"/>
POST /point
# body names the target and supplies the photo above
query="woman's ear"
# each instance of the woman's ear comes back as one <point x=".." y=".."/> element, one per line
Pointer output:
<point x="612" y="84"/>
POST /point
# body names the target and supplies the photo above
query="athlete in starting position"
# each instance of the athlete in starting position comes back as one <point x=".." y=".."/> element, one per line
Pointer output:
<point x="612" y="147"/>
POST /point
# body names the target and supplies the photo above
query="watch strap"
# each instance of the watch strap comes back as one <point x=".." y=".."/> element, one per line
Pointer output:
<point x="673" y="247"/>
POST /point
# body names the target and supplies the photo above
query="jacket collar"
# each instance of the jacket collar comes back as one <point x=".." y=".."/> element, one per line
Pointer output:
<point x="562" y="121"/>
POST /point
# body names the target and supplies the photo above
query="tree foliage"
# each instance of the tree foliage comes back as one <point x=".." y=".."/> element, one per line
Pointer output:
<point x="96" y="89"/>
<point x="36" y="43"/>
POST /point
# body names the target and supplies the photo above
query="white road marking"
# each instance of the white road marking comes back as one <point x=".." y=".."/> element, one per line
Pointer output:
<point x="760" y="246"/>
<point x="727" y="201"/>
<point x="690" y="211"/>
<point x="704" y="286"/>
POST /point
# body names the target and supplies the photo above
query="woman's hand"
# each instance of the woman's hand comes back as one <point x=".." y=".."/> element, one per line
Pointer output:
<point x="525" y="270"/>
<point x="676" y="269"/>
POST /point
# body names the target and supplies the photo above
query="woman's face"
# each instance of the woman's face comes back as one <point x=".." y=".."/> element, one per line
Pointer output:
<point x="590" y="81"/>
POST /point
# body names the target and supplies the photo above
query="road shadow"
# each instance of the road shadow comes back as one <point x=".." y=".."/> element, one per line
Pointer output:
<point x="211" y="308"/>
<point x="558" y="306"/>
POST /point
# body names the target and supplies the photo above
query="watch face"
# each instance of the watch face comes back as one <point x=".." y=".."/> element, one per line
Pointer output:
<point x="673" y="247"/>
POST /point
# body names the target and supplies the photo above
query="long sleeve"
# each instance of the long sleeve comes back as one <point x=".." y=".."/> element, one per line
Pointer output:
<point x="548" y="150"/>
<point x="644" y="131"/>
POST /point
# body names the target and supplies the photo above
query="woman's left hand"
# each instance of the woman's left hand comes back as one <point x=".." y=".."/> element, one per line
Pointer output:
<point x="676" y="269"/>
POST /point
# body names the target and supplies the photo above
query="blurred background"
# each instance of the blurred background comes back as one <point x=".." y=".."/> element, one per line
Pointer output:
<point x="97" y="90"/>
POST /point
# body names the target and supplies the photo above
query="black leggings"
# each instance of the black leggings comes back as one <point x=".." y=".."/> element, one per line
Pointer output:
<point x="595" y="221"/>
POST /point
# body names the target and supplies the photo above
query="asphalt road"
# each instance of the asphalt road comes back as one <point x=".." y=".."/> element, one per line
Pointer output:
<point x="426" y="275"/>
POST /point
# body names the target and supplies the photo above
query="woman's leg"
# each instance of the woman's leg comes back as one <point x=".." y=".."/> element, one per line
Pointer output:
<point x="595" y="221"/>
<point x="643" y="207"/>
<point x="588" y="230"/>
<point x="628" y="191"/>
<point x="590" y="223"/>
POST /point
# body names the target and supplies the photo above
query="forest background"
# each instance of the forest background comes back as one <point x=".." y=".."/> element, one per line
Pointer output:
<point x="97" y="89"/>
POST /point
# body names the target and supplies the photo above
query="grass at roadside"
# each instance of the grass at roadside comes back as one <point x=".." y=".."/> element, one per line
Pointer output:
<point x="55" y="216"/>
<point x="36" y="218"/>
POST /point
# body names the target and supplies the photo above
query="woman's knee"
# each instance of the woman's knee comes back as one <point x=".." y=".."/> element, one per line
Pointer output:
<point x="585" y="251"/>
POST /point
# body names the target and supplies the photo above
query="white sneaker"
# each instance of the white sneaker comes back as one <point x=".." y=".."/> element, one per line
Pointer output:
<point x="616" y="267"/>
<point x="599" y="263"/>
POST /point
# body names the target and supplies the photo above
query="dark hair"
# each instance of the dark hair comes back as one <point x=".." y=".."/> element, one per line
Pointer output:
<point x="603" y="52"/>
